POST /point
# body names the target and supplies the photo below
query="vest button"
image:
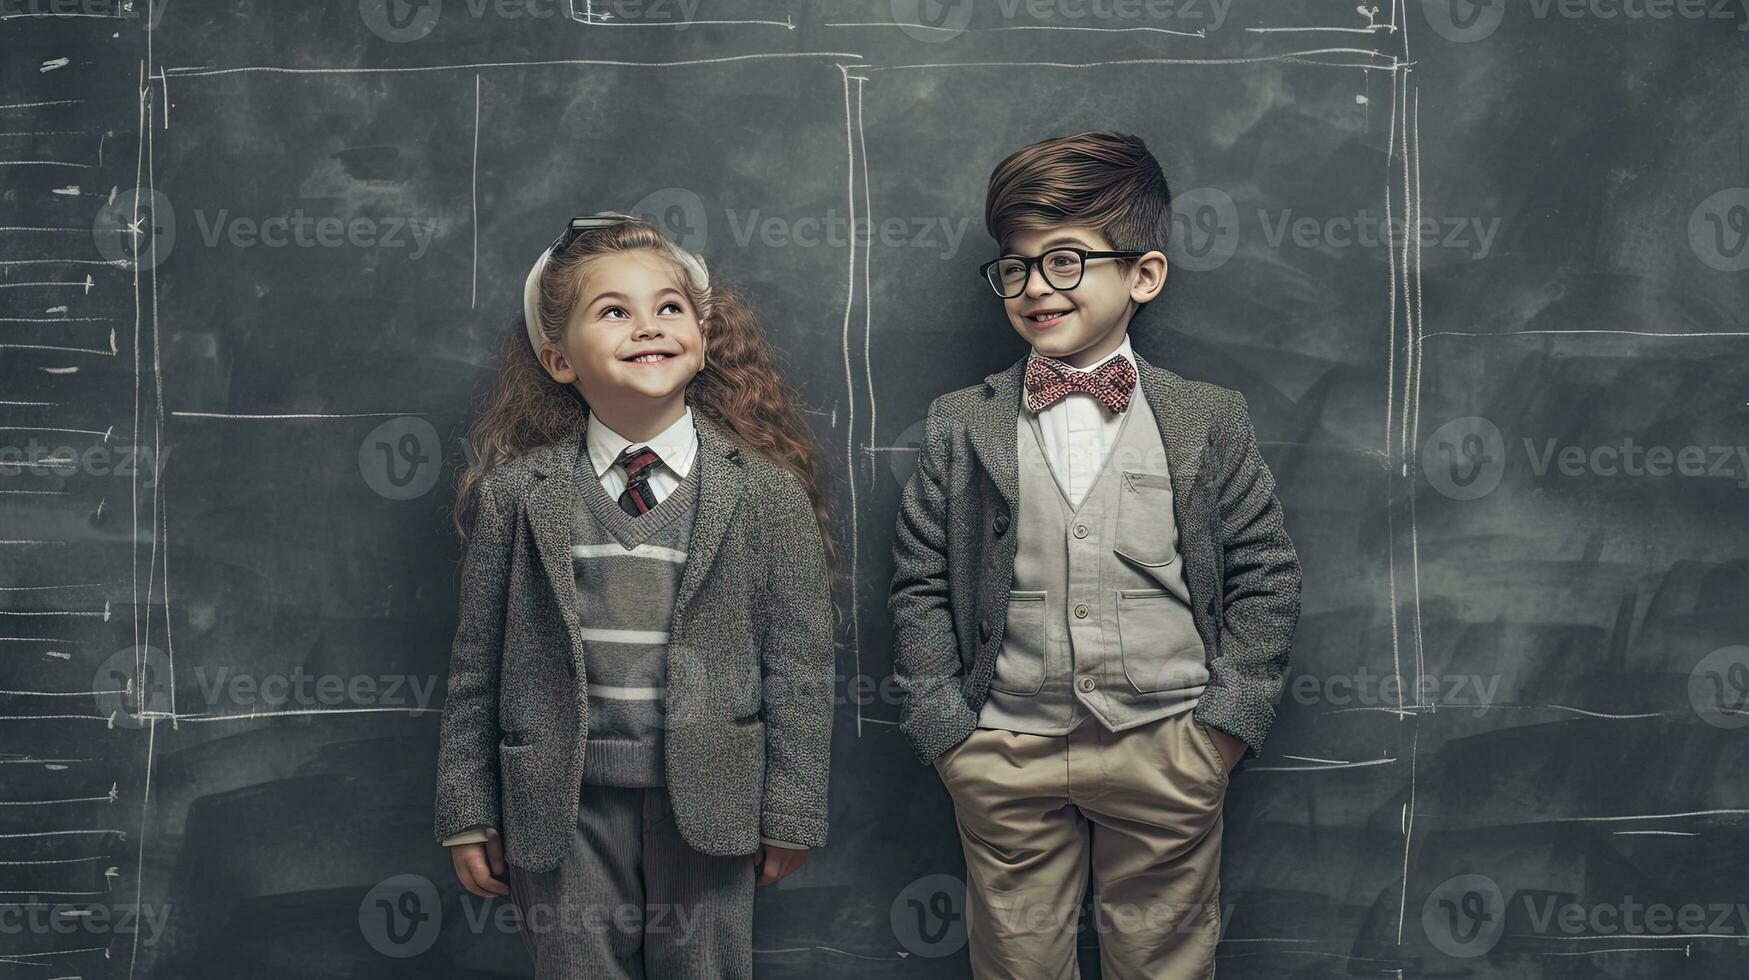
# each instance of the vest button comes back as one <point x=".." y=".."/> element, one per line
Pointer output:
<point x="1081" y="612"/>
<point x="1080" y="530"/>
<point x="1086" y="684"/>
<point x="1001" y="524"/>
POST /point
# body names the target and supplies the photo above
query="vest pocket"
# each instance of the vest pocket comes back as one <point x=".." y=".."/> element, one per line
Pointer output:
<point x="1144" y="624"/>
<point x="1020" y="664"/>
<point x="1147" y="531"/>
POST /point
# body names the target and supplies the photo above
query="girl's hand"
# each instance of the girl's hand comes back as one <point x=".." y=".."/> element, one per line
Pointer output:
<point x="481" y="866"/>
<point x="772" y="863"/>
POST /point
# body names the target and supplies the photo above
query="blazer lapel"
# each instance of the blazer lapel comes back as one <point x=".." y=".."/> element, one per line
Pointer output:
<point x="992" y="431"/>
<point x="551" y="507"/>
<point x="1183" y="454"/>
<point x="992" y="428"/>
<point x="721" y="482"/>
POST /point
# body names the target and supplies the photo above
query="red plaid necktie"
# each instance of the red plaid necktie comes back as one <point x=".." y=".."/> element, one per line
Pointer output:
<point x="637" y="498"/>
<point x="1049" y="380"/>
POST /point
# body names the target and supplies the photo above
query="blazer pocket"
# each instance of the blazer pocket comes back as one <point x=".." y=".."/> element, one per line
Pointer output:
<point x="522" y="775"/>
<point x="1147" y="530"/>
<point x="754" y="717"/>
<point x="1202" y="488"/>
<point x="743" y="749"/>
<point x="1021" y="663"/>
<point x="746" y="698"/>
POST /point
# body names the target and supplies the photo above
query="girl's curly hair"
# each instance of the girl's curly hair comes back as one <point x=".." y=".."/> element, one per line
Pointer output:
<point x="739" y="386"/>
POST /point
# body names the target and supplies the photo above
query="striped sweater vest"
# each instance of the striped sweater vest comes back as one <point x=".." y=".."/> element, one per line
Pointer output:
<point x="628" y="571"/>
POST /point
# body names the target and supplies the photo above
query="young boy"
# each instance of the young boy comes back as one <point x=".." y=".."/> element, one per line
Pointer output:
<point x="1093" y="597"/>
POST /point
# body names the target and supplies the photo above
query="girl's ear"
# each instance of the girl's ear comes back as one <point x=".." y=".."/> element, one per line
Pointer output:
<point x="557" y="365"/>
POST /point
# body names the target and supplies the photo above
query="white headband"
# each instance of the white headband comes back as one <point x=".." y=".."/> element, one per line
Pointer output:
<point x="531" y="285"/>
<point x="531" y="300"/>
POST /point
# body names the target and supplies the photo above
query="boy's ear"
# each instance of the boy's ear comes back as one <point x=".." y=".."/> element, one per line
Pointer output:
<point x="1150" y="276"/>
<point x="558" y="366"/>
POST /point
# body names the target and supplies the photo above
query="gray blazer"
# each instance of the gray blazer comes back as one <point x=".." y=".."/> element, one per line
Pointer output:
<point x="953" y="555"/>
<point x="750" y="661"/>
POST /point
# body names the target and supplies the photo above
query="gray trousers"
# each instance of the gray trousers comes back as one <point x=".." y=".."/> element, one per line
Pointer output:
<point x="633" y="900"/>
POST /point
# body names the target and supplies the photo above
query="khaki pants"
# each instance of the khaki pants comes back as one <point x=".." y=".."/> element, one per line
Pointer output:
<point x="1142" y="806"/>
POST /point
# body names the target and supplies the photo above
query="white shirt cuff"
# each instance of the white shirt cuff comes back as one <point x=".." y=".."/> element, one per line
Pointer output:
<point x="473" y="835"/>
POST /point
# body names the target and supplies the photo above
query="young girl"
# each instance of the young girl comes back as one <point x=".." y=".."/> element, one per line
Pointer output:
<point x="640" y="691"/>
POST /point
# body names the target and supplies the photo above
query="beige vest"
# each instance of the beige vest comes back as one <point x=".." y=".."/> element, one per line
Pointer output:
<point x="1099" y="616"/>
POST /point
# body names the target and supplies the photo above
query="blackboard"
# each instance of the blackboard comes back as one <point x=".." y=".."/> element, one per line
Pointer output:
<point x="256" y="258"/>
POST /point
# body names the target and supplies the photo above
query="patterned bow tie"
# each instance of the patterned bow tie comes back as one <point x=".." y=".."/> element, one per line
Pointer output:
<point x="1049" y="380"/>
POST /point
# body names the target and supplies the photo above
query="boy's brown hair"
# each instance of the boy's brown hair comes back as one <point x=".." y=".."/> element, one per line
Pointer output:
<point x="1105" y="180"/>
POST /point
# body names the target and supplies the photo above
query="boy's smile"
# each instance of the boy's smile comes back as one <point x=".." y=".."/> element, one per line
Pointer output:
<point x="1083" y="324"/>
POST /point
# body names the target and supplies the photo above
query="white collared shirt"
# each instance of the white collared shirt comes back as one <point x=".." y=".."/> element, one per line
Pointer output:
<point x="1079" y="430"/>
<point x="677" y="446"/>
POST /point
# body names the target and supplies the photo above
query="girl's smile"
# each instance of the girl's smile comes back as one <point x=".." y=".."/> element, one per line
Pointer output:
<point x="632" y="343"/>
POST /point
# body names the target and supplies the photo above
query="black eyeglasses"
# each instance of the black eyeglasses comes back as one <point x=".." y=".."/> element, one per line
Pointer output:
<point x="580" y="225"/>
<point x="1062" y="267"/>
